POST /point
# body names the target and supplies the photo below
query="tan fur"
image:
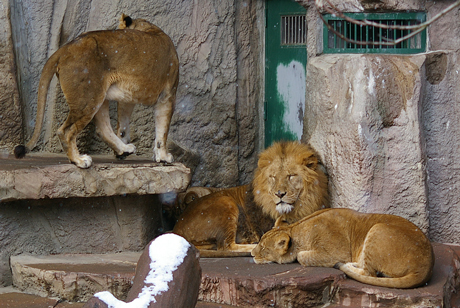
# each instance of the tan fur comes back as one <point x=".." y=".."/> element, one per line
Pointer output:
<point x="174" y="207"/>
<point x="219" y="221"/>
<point x="194" y="193"/>
<point x="232" y="220"/>
<point x="135" y="64"/>
<point x="378" y="249"/>
<point x="289" y="184"/>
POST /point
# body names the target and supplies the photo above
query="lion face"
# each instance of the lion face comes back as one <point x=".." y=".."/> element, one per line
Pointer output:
<point x="274" y="246"/>
<point x="288" y="181"/>
<point x="284" y="187"/>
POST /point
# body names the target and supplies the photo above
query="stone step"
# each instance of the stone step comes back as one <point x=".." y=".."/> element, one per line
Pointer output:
<point x="242" y="283"/>
<point x="74" y="277"/>
<point x="234" y="282"/>
<point x="40" y="176"/>
<point x="13" y="298"/>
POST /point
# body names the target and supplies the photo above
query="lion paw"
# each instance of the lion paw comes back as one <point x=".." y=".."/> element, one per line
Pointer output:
<point x="129" y="149"/>
<point x="163" y="157"/>
<point x="83" y="161"/>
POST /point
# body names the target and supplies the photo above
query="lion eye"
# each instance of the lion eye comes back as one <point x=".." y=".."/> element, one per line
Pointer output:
<point x="292" y="176"/>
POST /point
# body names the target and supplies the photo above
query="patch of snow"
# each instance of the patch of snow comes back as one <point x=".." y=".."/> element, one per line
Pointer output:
<point x="166" y="253"/>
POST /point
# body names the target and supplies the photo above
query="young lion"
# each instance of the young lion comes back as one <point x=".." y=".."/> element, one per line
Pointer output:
<point x="289" y="185"/>
<point x="378" y="249"/>
<point x="135" y="64"/>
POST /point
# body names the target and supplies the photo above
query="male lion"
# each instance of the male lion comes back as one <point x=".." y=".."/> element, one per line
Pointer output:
<point x="378" y="249"/>
<point x="135" y="64"/>
<point x="289" y="184"/>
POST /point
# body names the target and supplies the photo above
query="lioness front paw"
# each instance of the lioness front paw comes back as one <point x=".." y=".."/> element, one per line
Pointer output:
<point x="83" y="161"/>
<point x="163" y="157"/>
<point x="126" y="150"/>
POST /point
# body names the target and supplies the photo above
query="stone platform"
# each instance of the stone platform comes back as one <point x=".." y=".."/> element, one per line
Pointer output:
<point x="53" y="176"/>
<point x="50" y="206"/>
<point x="238" y="282"/>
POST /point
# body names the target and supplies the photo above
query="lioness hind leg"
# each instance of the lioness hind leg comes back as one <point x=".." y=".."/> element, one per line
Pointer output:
<point x="163" y="113"/>
<point x="104" y="128"/>
<point x="354" y="267"/>
<point x="124" y="115"/>
<point x="316" y="258"/>
<point x="68" y="133"/>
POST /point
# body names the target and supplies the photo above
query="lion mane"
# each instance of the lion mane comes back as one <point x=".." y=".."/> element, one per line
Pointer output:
<point x="289" y="183"/>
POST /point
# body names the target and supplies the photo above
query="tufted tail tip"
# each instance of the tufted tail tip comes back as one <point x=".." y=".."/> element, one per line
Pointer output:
<point x="20" y="151"/>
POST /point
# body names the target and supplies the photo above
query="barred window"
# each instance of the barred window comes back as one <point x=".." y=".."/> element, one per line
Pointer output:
<point x="375" y="35"/>
<point x="293" y="30"/>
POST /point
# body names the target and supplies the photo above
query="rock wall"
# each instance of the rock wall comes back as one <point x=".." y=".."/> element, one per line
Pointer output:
<point x="363" y="117"/>
<point x="219" y="87"/>
<point x="385" y="126"/>
<point x="76" y="225"/>
<point x="10" y="107"/>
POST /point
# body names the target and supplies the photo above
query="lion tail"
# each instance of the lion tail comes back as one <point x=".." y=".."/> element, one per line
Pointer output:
<point x="410" y="280"/>
<point x="48" y="72"/>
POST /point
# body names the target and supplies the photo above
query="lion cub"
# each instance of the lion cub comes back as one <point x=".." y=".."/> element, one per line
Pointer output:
<point x="135" y="64"/>
<point x="378" y="249"/>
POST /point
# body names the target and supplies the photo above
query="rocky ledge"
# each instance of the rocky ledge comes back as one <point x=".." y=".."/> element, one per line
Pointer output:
<point x="239" y="282"/>
<point x="52" y="176"/>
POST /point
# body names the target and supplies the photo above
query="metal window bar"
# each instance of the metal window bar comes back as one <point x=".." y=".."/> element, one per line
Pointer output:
<point x="335" y="44"/>
<point x="293" y="30"/>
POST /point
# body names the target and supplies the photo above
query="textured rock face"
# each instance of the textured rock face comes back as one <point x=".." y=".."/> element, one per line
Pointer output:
<point x="76" y="225"/>
<point x="213" y="63"/>
<point x="362" y="117"/>
<point x="441" y="111"/>
<point x="10" y="109"/>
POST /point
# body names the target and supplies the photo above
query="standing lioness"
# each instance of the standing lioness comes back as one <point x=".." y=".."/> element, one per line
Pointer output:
<point x="135" y="64"/>
<point x="378" y="249"/>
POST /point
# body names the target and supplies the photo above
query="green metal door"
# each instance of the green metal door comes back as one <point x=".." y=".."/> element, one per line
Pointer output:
<point x="285" y="70"/>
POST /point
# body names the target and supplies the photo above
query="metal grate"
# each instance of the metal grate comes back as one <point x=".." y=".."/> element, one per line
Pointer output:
<point x="335" y="44"/>
<point x="293" y="30"/>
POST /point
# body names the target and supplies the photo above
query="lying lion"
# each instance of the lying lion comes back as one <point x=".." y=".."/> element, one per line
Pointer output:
<point x="378" y="249"/>
<point x="135" y="64"/>
<point x="289" y="184"/>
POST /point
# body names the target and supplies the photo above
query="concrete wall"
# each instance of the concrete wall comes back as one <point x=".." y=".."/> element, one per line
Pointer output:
<point x="218" y="43"/>
<point x="385" y="126"/>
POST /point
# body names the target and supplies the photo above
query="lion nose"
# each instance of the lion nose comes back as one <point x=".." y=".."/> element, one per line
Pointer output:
<point x="280" y="194"/>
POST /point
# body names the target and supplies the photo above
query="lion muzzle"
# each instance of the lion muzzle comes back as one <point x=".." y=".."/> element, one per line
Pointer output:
<point x="284" y="208"/>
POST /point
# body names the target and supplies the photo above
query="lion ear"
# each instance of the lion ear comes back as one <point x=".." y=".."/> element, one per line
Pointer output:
<point x="190" y="197"/>
<point x="263" y="162"/>
<point x="283" y="243"/>
<point x="125" y="21"/>
<point x="310" y="162"/>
